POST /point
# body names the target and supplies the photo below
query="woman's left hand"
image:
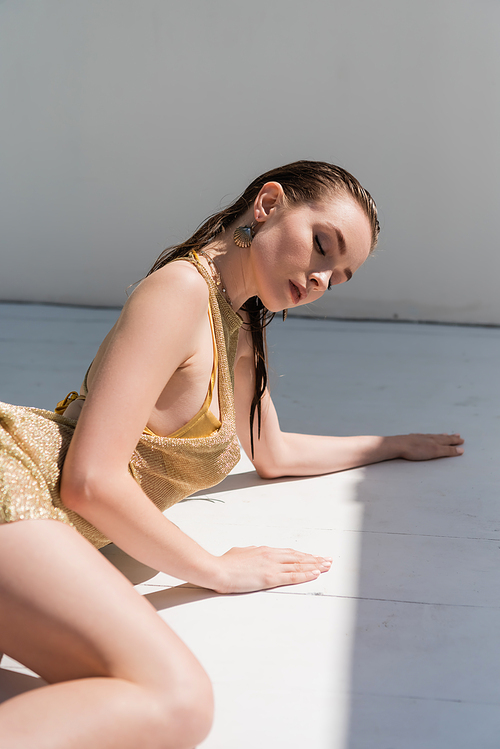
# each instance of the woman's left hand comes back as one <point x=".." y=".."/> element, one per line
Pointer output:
<point x="428" y="446"/>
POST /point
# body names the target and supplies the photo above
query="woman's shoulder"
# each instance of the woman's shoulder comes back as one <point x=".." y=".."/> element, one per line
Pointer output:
<point x="166" y="312"/>
<point x="177" y="282"/>
<point x="181" y="271"/>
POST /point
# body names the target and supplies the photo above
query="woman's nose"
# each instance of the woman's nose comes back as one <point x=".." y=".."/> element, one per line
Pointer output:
<point x="319" y="281"/>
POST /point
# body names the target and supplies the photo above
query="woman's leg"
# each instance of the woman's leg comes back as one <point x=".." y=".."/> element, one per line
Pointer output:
<point x="118" y="676"/>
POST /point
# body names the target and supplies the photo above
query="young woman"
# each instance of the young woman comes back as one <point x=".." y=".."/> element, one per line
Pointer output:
<point x="135" y="440"/>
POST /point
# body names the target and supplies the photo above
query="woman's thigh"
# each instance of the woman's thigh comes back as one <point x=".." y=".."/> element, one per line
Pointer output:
<point x="67" y="613"/>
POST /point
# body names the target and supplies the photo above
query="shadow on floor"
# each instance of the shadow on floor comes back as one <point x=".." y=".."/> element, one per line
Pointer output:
<point x="425" y="660"/>
<point x="246" y="480"/>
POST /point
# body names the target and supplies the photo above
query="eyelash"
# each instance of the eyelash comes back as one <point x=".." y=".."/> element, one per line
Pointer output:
<point x="318" y="245"/>
<point x="322" y="252"/>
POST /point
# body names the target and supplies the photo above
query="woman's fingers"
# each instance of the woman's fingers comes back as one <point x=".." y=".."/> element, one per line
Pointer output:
<point x="295" y="578"/>
<point x="449" y="443"/>
<point x="290" y="555"/>
<point x="447" y="439"/>
<point x="299" y="562"/>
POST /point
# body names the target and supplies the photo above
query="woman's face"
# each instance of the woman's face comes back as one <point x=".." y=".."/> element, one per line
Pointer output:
<point x="301" y="251"/>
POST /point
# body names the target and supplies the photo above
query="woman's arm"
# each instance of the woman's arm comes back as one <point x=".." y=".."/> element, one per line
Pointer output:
<point x="119" y="508"/>
<point x="279" y="453"/>
<point x="160" y="333"/>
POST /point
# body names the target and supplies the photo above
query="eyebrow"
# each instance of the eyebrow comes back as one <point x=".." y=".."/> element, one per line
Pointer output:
<point x="342" y="248"/>
<point x="340" y="240"/>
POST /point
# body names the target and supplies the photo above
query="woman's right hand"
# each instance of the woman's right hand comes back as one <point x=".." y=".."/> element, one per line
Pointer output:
<point x="243" y="570"/>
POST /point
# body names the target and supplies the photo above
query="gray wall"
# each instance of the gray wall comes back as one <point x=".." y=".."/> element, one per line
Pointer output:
<point x="124" y="123"/>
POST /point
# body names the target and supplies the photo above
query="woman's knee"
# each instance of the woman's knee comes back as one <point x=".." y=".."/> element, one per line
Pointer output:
<point x="184" y="708"/>
<point x="195" y="706"/>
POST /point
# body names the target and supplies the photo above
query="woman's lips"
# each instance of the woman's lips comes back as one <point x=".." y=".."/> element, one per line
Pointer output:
<point x="297" y="292"/>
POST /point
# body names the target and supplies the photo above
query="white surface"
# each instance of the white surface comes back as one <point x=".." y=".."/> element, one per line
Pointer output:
<point x="128" y="123"/>
<point x="396" y="647"/>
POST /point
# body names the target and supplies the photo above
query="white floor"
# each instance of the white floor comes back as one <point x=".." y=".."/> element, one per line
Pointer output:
<point x="396" y="647"/>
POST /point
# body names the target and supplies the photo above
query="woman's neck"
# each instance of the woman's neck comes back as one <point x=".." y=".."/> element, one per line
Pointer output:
<point x="234" y="266"/>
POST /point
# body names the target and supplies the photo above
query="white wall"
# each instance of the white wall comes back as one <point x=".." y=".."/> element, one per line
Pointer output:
<point x="125" y="122"/>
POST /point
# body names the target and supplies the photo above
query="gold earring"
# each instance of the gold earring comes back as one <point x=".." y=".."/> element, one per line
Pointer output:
<point x="243" y="235"/>
<point x="285" y="314"/>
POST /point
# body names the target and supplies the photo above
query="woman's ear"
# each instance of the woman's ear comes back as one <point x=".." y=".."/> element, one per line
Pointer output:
<point x="270" y="197"/>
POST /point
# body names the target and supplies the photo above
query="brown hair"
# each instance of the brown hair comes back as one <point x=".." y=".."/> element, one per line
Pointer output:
<point x="302" y="182"/>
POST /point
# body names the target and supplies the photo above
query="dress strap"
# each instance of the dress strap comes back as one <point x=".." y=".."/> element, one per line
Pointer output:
<point x="210" y="394"/>
<point x="63" y="405"/>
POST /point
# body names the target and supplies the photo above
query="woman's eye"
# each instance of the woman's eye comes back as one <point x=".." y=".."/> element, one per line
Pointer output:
<point x="318" y="245"/>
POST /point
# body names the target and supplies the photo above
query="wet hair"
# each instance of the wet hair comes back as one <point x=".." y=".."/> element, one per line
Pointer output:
<point x="302" y="182"/>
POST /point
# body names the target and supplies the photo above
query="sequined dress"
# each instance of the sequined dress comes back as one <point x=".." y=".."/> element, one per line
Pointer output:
<point x="34" y="443"/>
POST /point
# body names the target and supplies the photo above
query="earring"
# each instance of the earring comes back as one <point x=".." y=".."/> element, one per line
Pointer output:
<point x="243" y="235"/>
<point x="285" y="314"/>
